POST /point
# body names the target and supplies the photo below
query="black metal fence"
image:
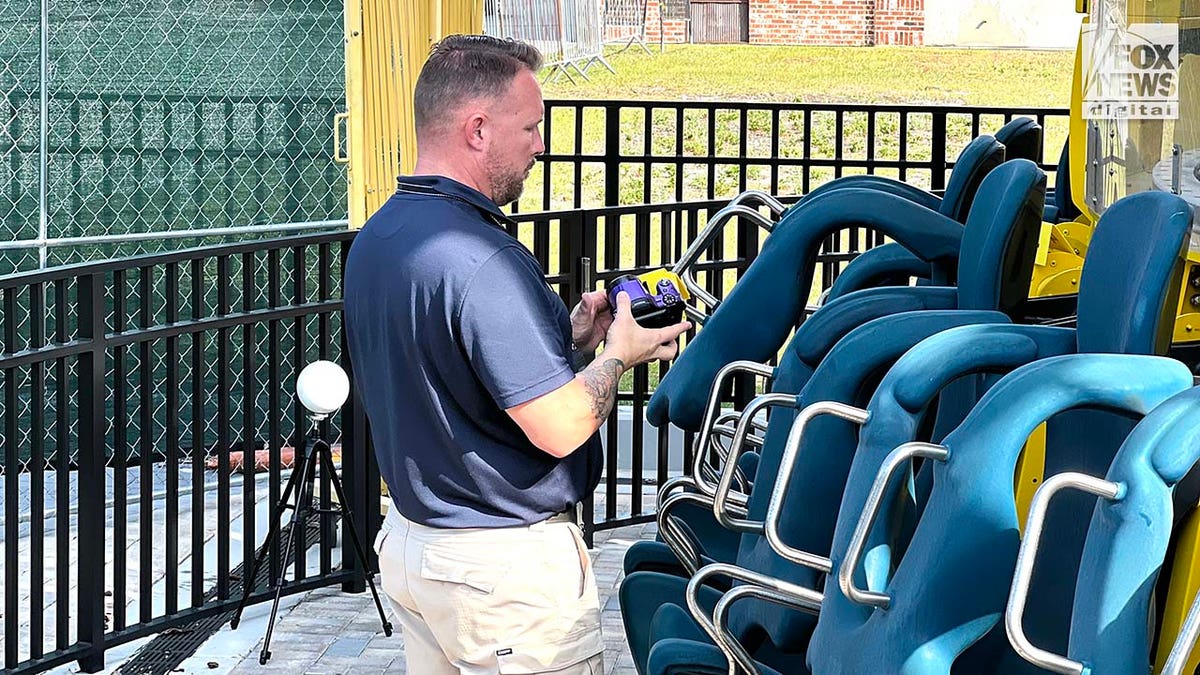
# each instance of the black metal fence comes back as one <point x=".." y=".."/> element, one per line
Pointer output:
<point x="617" y="153"/>
<point x="131" y="406"/>
<point x="137" y="393"/>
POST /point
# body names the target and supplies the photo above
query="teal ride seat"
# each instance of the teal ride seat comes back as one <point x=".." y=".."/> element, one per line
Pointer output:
<point x="1020" y="138"/>
<point x="892" y="265"/>
<point x="772" y="294"/>
<point x="848" y="374"/>
<point x="1125" y="549"/>
<point x="1134" y="264"/>
<point x="997" y="258"/>
<point x="939" y="610"/>
<point x="977" y="159"/>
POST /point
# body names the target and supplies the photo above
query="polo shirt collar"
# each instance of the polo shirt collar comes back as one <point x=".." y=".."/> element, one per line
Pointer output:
<point x="441" y="185"/>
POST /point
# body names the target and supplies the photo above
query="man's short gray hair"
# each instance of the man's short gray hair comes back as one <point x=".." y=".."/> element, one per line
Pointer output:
<point x="463" y="67"/>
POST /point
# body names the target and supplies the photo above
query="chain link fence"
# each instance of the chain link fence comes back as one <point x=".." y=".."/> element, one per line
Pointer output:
<point x="144" y="126"/>
<point x="138" y="126"/>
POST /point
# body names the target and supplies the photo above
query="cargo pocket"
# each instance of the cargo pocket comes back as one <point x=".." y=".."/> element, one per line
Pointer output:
<point x="445" y="563"/>
<point x="569" y="640"/>
<point x="586" y="582"/>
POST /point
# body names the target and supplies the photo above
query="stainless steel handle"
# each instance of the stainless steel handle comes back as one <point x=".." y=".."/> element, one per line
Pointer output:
<point x="703" y="240"/>
<point x="788" y="465"/>
<point x="724" y="488"/>
<point x="1184" y="642"/>
<point x="858" y="542"/>
<point x="727" y="642"/>
<point x="733" y="650"/>
<point x="731" y="418"/>
<point x="711" y="413"/>
<point x="751" y="196"/>
<point x="1014" y="613"/>
<point x="713" y="476"/>
<point x="741" y="481"/>
<point x="673" y="484"/>
<point x="674" y="536"/>
<point x="799" y="597"/>
<point x="694" y="314"/>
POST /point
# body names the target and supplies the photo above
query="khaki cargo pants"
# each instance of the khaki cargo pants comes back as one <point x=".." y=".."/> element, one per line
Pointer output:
<point x="494" y="601"/>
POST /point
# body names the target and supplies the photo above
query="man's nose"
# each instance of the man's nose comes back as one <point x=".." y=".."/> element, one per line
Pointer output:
<point x="538" y="145"/>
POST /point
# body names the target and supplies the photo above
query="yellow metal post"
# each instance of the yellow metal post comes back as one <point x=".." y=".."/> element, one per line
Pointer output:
<point x="387" y="42"/>
<point x="354" y="136"/>
<point x="1184" y="584"/>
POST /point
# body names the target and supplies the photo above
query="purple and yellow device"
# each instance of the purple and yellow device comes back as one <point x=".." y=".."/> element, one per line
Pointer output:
<point x="656" y="298"/>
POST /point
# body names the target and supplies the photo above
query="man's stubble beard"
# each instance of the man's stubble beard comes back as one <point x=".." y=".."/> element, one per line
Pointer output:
<point x="507" y="186"/>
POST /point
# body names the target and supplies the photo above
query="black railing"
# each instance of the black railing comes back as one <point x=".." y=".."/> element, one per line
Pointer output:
<point x="610" y="153"/>
<point x="146" y="381"/>
<point x="151" y="380"/>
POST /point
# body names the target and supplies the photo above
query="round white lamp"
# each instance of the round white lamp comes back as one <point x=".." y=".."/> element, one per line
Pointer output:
<point x="322" y="387"/>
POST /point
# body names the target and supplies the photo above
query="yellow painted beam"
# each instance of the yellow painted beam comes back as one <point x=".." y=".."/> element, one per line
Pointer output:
<point x="1030" y="468"/>
<point x="387" y="42"/>
<point x="1185" y="582"/>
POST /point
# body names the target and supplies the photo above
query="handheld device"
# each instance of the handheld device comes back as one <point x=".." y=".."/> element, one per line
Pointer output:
<point x="656" y="298"/>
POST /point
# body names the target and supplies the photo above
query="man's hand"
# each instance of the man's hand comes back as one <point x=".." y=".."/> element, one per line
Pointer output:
<point x="562" y="420"/>
<point x="590" y="321"/>
<point x="635" y="345"/>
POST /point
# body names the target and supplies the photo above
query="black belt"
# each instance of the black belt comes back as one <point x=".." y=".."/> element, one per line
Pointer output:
<point x="571" y="515"/>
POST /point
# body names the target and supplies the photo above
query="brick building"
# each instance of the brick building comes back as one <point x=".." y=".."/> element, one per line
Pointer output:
<point x="800" y="22"/>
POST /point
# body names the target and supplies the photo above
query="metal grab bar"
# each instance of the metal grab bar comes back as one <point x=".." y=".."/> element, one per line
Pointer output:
<point x="710" y="416"/>
<point x="705" y="239"/>
<point x="731" y="418"/>
<point x="858" y="542"/>
<point x="674" y="536"/>
<point x="788" y="465"/>
<point x="724" y="488"/>
<point x="1184" y="642"/>
<point x="672" y="484"/>
<point x="763" y="198"/>
<point x="740" y="479"/>
<point x="801" y="598"/>
<point x="721" y="618"/>
<point x="734" y="653"/>
<point x="1014" y="613"/>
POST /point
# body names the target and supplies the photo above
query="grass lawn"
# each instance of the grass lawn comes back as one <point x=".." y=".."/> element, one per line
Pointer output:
<point x="897" y="75"/>
<point x="918" y="75"/>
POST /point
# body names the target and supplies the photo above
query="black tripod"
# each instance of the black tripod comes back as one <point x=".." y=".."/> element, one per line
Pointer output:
<point x="301" y="481"/>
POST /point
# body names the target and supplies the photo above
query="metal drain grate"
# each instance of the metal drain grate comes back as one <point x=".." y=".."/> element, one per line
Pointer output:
<point x="172" y="646"/>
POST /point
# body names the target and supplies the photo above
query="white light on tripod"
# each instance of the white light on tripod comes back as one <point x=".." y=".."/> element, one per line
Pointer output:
<point x="322" y="387"/>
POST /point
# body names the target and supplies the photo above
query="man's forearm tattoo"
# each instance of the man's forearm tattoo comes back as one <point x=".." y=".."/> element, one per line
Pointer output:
<point x="601" y="381"/>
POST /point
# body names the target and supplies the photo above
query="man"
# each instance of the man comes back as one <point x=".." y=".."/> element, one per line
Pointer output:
<point x="484" y="428"/>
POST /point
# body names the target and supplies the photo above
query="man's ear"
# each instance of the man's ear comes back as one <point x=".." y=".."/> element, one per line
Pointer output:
<point x="473" y="129"/>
